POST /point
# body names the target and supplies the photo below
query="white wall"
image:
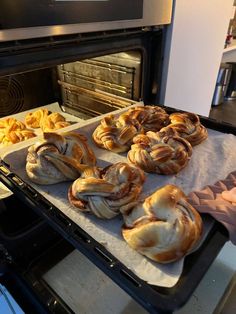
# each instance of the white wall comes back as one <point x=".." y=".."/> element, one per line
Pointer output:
<point x="195" y="42"/>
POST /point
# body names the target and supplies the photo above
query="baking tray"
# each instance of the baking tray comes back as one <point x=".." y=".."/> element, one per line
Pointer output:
<point x="54" y="107"/>
<point x="154" y="299"/>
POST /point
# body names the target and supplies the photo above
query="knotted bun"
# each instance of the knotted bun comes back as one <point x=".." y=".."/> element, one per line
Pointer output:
<point x="17" y="136"/>
<point x="11" y="124"/>
<point x="47" y="121"/>
<point x="116" y="134"/>
<point x="164" y="227"/>
<point x="161" y="152"/>
<point x="35" y="119"/>
<point x="188" y="126"/>
<point x="57" y="158"/>
<point x="104" y="193"/>
<point x="152" y="118"/>
<point x="13" y="131"/>
<point x="54" y="121"/>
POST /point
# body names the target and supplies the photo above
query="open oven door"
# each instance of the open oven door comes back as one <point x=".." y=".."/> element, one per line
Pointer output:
<point x="24" y="236"/>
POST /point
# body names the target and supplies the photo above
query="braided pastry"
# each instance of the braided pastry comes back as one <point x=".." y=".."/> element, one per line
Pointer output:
<point x="188" y="126"/>
<point x="57" y="158"/>
<point x="116" y="134"/>
<point x="45" y="120"/>
<point x="17" y="136"/>
<point x="13" y="131"/>
<point x="165" y="227"/>
<point x="104" y="193"/>
<point x="152" y="118"/>
<point x="161" y="152"/>
<point x="34" y="119"/>
<point x="54" y="121"/>
<point x="11" y="124"/>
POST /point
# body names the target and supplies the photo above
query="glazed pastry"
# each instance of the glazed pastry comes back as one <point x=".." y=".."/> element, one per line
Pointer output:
<point x="54" y="121"/>
<point x="161" y="152"/>
<point x="116" y="134"/>
<point x="152" y="118"/>
<point x="13" y="131"/>
<point x="104" y="193"/>
<point x="11" y="124"/>
<point x="164" y="227"/>
<point x="58" y="157"/>
<point x="189" y="127"/>
<point x="35" y="119"/>
<point x="45" y="120"/>
<point x="17" y="136"/>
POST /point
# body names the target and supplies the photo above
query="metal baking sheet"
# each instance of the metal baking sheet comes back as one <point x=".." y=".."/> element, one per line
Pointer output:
<point x="210" y="166"/>
<point x="205" y="167"/>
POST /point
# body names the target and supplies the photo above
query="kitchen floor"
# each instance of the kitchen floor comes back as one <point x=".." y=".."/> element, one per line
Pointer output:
<point x="225" y="112"/>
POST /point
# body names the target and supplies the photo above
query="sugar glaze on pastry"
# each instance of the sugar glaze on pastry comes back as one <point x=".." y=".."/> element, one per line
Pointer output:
<point x="13" y="131"/>
<point x="164" y="227"/>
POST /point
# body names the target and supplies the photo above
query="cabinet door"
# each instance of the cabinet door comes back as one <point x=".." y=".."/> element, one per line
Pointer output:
<point x="194" y="47"/>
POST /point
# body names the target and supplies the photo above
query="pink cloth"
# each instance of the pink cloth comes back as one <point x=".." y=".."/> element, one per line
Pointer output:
<point x="209" y="200"/>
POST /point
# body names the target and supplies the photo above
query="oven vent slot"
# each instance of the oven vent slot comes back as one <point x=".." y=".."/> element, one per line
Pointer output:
<point x="31" y="192"/>
<point x="4" y="170"/>
<point x="103" y="255"/>
<point x="81" y="236"/>
<point x="17" y="181"/>
<point x="47" y="205"/>
<point x="130" y="278"/>
<point x="62" y="220"/>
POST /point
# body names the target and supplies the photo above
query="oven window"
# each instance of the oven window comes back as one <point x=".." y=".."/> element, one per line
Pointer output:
<point x="99" y="85"/>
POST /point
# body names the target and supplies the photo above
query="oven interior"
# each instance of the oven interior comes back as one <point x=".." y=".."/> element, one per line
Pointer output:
<point x="84" y="88"/>
<point x="87" y="75"/>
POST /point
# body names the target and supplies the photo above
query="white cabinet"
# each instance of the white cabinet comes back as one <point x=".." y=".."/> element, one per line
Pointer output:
<point x="194" y="46"/>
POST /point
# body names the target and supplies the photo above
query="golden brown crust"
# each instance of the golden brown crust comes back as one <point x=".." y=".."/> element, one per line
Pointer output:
<point x="161" y="152"/>
<point x="105" y="192"/>
<point x="45" y="120"/>
<point x="53" y="122"/>
<point x="152" y="118"/>
<point x="34" y="119"/>
<point x="188" y="126"/>
<point x="164" y="227"/>
<point x="58" y="157"/>
<point x="116" y="134"/>
<point x="17" y="136"/>
<point x="13" y="131"/>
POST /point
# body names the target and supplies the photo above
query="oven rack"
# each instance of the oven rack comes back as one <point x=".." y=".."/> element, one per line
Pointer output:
<point x="154" y="299"/>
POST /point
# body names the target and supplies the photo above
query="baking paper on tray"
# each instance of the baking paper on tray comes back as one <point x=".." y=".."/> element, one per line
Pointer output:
<point x="54" y="107"/>
<point x="212" y="160"/>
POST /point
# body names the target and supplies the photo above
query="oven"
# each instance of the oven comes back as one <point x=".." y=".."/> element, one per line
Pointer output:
<point x="84" y="59"/>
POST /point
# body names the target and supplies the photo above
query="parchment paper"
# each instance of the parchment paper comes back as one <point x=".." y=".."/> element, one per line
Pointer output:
<point x="54" y="107"/>
<point x="212" y="160"/>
